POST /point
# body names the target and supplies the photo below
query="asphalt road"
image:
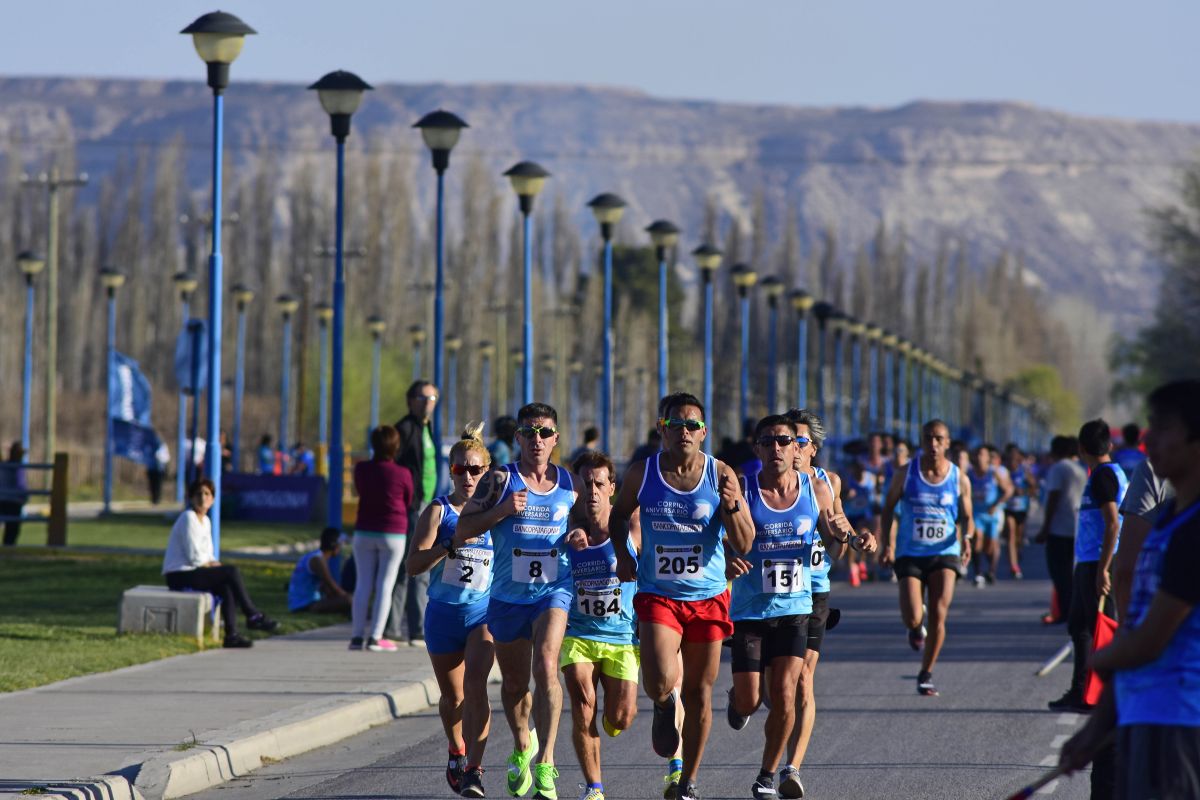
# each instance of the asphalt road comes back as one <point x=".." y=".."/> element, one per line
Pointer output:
<point x="986" y="736"/>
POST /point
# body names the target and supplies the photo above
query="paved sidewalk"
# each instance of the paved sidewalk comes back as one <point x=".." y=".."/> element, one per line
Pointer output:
<point x="187" y="723"/>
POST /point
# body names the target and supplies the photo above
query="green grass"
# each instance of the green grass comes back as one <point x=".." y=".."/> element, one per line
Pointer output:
<point x="58" y="613"/>
<point x="150" y="531"/>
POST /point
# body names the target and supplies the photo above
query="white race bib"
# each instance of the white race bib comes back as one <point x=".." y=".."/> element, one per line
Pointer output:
<point x="534" y="566"/>
<point x="599" y="603"/>
<point x="471" y="568"/>
<point x="931" y="531"/>
<point x="818" y="552"/>
<point x="782" y="575"/>
<point x="677" y="563"/>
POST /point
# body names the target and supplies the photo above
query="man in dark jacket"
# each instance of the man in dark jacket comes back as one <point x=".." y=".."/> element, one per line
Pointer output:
<point x="417" y="453"/>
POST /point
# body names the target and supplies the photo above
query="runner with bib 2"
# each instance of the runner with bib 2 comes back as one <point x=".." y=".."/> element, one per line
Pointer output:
<point x="456" y="633"/>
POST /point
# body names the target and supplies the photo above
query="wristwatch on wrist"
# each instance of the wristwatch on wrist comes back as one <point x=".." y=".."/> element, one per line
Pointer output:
<point x="737" y="506"/>
<point x="448" y="543"/>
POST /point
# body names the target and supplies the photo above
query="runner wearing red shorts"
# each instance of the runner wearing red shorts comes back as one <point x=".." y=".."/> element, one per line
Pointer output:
<point x="689" y="503"/>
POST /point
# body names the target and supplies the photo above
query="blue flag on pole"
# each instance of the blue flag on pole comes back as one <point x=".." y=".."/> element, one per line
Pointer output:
<point x="133" y="436"/>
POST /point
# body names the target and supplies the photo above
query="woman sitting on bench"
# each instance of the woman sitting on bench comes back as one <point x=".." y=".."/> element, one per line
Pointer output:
<point x="189" y="564"/>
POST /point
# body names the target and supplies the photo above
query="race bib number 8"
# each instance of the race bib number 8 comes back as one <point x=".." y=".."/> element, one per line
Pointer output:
<point x="470" y="569"/>
<point x="782" y="576"/>
<point x="930" y="531"/>
<point x="679" y="563"/>
<point x="534" y="566"/>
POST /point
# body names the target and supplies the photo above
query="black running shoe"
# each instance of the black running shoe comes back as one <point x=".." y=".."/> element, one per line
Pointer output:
<point x="763" y="788"/>
<point x="925" y="686"/>
<point x="455" y="769"/>
<point x="831" y="621"/>
<point x="687" y="791"/>
<point x="1071" y="701"/>
<point x="472" y="783"/>
<point x="736" y="720"/>
<point x="261" y="622"/>
<point x="663" y="733"/>
<point x="237" y="640"/>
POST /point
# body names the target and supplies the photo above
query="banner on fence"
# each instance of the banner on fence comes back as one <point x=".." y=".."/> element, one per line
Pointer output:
<point x="272" y="498"/>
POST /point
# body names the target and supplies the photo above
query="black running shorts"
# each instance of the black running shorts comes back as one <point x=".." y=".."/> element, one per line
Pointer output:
<point x="817" y="620"/>
<point x="756" y="642"/>
<point x="920" y="567"/>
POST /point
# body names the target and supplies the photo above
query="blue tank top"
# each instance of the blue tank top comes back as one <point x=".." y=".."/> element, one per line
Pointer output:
<point x="858" y="505"/>
<point x="985" y="491"/>
<point x="1020" y="498"/>
<point x="820" y="557"/>
<point x="682" y="557"/>
<point x="531" y="557"/>
<point x="465" y="578"/>
<point x="779" y="582"/>
<point x="928" y="514"/>
<point x="1089" y="532"/>
<point x="1167" y="690"/>
<point x="602" y="606"/>
<point x="304" y="588"/>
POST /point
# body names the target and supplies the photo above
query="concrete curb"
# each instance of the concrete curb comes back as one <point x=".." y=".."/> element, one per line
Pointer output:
<point x="240" y="750"/>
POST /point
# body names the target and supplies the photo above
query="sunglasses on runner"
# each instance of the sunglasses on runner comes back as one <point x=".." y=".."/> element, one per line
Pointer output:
<point x="673" y="424"/>
<point x="803" y="440"/>
<point x="463" y="469"/>
<point x="529" y="431"/>
<point x="782" y="441"/>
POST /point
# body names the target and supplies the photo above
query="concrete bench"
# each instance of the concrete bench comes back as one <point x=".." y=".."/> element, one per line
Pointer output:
<point x="157" y="609"/>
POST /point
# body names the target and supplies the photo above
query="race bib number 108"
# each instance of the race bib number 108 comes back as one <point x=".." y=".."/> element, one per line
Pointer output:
<point x="930" y="531"/>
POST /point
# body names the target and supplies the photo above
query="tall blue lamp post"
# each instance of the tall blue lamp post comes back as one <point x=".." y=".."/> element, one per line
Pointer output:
<point x="527" y="180"/>
<point x="744" y="278"/>
<point x="903" y="349"/>
<point x="773" y="287"/>
<point x="837" y="324"/>
<point x="487" y="352"/>
<point x="218" y="38"/>
<point x="376" y="325"/>
<point x="416" y="335"/>
<point x="112" y="280"/>
<point x="607" y="208"/>
<point x="30" y="264"/>
<point x="874" y="335"/>
<point x="888" y="342"/>
<point x="287" y="305"/>
<point x="823" y="311"/>
<point x="665" y="235"/>
<point x="856" y="329"/>
<point x="242" y="297"/>
<point x="708" y="258"/>
<point x="340" y="93"/>
<point x="802" y="303"/>
<point x="440" y="130"/>
<point x="324" y="317"/>
<point x="453" y="348"/>
<point x="185" y="284"/>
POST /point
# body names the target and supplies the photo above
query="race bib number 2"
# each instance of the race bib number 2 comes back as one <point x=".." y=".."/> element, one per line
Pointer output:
<point x="470" y="569"/>
<point x="534" y="566"/>
<point x="782" y="576"/>
<point x="679" y="563"/>
<point x="930" y="531"/>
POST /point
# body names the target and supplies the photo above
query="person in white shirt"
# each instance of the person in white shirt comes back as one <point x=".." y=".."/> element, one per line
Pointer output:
<point x="189" y="563"/>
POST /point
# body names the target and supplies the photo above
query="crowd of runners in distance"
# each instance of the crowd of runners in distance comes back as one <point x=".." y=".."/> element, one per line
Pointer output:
<point x="634" y="582"/>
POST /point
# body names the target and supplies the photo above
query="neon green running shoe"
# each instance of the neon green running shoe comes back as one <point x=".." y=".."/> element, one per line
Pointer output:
<point x="519" y="778"/>
<point x="543" y="782"/>
<point x="672" y="784"/>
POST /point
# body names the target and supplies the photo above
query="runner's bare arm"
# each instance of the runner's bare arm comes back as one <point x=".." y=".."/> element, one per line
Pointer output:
<point x="620" y="520"/>
<point x="425" y="550"/>
<point x="635" y="530"/>
<point x="484" y="510"/>
<point x="735" y="511"/>
<point x="831" y="527"/>
<point x="888" y="514"/>
<point x="1006" y="489"/>
<point x="966" y="516"/>
<point x="836" y="480"/>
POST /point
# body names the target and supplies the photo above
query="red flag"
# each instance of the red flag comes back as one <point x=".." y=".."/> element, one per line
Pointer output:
<point x="1106" y="628"/>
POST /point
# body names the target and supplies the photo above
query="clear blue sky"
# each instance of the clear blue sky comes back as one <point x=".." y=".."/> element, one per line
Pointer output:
<point x="1098" y="57"/>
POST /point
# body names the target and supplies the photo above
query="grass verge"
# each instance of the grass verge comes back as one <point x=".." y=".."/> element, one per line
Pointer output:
<point x="150" y="531"/>
<point x="58" y="613"/>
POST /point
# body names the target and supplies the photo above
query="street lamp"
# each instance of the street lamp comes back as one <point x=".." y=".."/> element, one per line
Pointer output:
<point x="324" y="317"/>
<point x="111" y="280"/>
<point x="30" y="264"/>
<point x="708" y="258"/>
<point x="440" y="129"/>
<point x="823" y="311"/>
<point x="744" y="277"/>
<point x="376" y="325"/>
<point x="802" y="302"/>
<point x="575" y="370"/>
<point x="487" y="351"/>
<point x="286" y="305"/>
<point x="453" y="346"/>
<point x="527" y="180"/>
<point x="664" y="234"/>
<point x="838" y="324"/>
<point x="340" y="94"/>
<point x="518" y="359"/>
<point x="185" y="284"/>
<point x="416" y="335"/>
<point x="889" y="341"/>
<point x="607" y="208"/>
<point x="242" y="297"/>
<point x="903" y="350"/>
<point x="773" y="287"/>
<point x="874" y="334"/>
<point x="218" y="39"/>
<point x="856" y="329"/>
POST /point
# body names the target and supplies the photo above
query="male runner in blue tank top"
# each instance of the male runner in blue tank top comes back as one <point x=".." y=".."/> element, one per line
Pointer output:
<point x="1096" y="542"/>
<point x="1016" y="510"/>
<point x="990" y="490"/>
<point x="772" y="589"/>
<point x="689" y="503"/>
<point x="1153" y="698"/>
<point x="931" y="541"/>
<point x="600" y="648"/>
<point x="526" y="506"/>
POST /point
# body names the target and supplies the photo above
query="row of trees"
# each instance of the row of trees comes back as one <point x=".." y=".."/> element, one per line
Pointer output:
<point x="982" y="314"/>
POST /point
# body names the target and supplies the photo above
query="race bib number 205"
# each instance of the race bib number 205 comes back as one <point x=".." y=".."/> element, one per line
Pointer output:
<point x="677" y="563"/>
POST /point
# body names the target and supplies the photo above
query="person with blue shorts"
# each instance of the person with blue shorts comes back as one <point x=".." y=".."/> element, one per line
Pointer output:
<point x="931" y="540"/>
<point x="526" y="506"/>
<point x="456" y="633"/>
<point x="600" y="648"/>
<point x="991" y="488"/>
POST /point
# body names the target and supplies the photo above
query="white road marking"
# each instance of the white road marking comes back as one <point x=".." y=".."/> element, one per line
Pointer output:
<point x="1049" y="761"/>
<point x="1068" y="719"/>
<point x="1049" y="787"/>
<point x="1059" y="741"/>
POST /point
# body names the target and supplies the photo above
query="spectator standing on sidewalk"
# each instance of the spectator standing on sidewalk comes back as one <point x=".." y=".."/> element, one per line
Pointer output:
<point x="1064" y="488"/>
<point x="12" y="494"/>
<point x="418" y="452"/>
